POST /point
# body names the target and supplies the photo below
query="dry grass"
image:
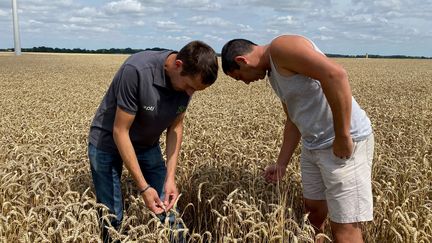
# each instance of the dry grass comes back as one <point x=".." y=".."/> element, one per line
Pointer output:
<point x="232" y="132"/>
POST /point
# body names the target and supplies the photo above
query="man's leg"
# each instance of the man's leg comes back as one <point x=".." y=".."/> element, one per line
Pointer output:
<point x="317" y="213"/>
<point x="349" y="190"/>
<point x="349" y="233"/>
<point x="153" y="168"/>
<point x="313" y="191"/>
<point x="106" y="169"/>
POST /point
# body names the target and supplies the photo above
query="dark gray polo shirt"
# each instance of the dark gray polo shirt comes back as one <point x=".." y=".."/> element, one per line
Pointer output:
<point x="140" y="88"/>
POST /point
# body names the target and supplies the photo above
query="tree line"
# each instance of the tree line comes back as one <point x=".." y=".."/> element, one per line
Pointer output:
<point x="132" y="51"/>
<point x="377" y="56"/>
<point x="79" y="50"/>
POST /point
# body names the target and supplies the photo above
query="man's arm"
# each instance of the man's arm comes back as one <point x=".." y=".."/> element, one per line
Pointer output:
<point x="173" y="144"/>
<point x="291" y="138"/>
<point x="296" y="54"/>
<point x="122" y="124"/>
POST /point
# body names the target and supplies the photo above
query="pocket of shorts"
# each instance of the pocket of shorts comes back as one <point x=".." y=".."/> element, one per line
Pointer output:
<point x="343" y="161"/>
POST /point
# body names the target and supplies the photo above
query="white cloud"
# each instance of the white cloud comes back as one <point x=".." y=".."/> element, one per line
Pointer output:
<point x="192" y="2"/>
<point x="283" y="20"/>
<point x="80" y="20"/>
<point x="124" y="6"/>
<point x="34" y="22"/>
<point x="286" y="20"/>
<point x="204" y="5"/>
<point x="397" y="25"/>
<point x="322" y="37"/>
<point x="364" y="19"/>
<point x="74" y="27"/>
<point x="38" y="8"/>
<point x="213" y="37"/>
<point x="34" y="30"/>
<point x="211" y="21"/>
<point x="129" y="6"/>
<point x="357" y="36"/>
<point x="399" y="8"/>
<point x="388" y="4"/>
<point x="3" y="13"/>
<point x="87" y="12"/>
<point x="273" y="31"/>
<point x="285" y="5"/>
<point x="139" y="23"/>
<point x="169" y="25"/>
<point x="394" y="14"/>
<point x="323" y="29"/>
<point x="179" y="38"/>
<point x="57" y="3"/>
<point x="245" y="28"/>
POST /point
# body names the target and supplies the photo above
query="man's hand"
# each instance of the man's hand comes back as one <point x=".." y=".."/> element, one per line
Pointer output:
<point x="342" y="147"/>
<point x="152" y="201"/>
<point x="171" y="194"/>
<point x="274" y="173"/>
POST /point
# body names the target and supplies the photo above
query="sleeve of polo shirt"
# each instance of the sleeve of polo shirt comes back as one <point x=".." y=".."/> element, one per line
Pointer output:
<point x="127" y="92"/>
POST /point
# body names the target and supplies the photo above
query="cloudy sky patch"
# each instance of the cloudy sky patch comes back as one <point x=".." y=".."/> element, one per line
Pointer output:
<point x="385" y="27"/>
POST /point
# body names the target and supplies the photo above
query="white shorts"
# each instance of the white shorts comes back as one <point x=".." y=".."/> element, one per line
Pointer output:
<point x="344" y="183"/>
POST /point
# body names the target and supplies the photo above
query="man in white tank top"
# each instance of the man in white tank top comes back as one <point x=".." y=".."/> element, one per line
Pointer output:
<point x="336" y="134"/>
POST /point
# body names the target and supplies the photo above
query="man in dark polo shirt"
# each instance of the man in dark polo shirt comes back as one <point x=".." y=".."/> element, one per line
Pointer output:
<point x="149" y="94"/>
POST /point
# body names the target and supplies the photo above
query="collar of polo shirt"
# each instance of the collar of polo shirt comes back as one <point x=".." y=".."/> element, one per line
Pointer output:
<point x="159" y="77"/>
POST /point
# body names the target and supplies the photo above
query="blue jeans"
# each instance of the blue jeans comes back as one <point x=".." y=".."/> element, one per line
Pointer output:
<point x="106" y="169"/>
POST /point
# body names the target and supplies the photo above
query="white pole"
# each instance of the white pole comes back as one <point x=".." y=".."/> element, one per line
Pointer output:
<point x="16" y="28"/>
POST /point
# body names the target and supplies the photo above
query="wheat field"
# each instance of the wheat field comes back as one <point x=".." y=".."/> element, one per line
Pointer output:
<point x="232" y="131"/>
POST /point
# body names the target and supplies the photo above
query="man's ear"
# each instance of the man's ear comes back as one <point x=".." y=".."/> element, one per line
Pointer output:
<point x="240" y="60"/>
<point x="178" y="63"/>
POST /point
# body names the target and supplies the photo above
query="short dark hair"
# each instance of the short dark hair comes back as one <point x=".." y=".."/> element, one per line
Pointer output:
<point x="233" y="48"/>
<point x="199" y="59"/>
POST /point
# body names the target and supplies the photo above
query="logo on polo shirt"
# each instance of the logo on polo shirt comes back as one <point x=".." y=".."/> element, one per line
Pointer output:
<point x="181" y="109"/>
<point x="148" y="108"/>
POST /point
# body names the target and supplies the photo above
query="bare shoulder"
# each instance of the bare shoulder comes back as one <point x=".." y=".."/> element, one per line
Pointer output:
<point x="296" y="54"/>
<point x="287" y="50"/>
<point x="285" y="44"/>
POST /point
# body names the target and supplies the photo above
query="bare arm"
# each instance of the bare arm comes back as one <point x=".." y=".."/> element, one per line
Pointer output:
<point x="122" y="124"/>
<point x="291" y="138"/>
<point x="296" y="54"/>
<point x="173" y="144"/>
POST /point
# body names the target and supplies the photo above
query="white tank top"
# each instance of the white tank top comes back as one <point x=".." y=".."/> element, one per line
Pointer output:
<point x="309" y="110"/>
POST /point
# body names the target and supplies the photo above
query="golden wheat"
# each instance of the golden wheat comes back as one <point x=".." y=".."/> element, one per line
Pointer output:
<point x="232" y="131"/>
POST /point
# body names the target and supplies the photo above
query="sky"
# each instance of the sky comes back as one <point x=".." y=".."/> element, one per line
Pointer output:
<point x="383" y="27"/>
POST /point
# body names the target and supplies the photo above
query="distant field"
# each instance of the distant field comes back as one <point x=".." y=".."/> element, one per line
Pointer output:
<point x="232" y="132"/>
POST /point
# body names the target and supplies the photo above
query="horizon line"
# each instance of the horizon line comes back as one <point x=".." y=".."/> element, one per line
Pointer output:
<point x="134" y="50"/>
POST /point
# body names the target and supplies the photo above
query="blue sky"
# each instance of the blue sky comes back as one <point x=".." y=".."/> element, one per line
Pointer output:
<point x="385" y="27"/>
